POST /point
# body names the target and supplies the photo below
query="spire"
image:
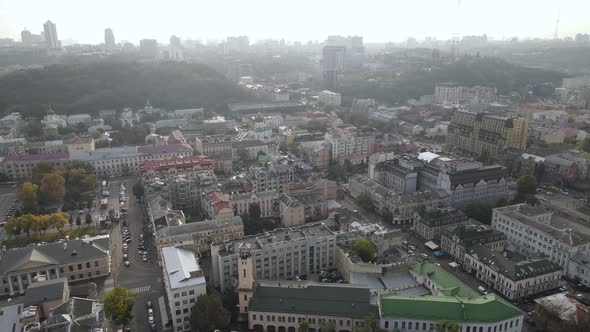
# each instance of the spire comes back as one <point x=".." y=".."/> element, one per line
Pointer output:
<point x="147" y="104"/>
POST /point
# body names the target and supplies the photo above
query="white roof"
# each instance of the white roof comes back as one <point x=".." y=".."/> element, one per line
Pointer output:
<point x="182" y="269"/>
<point x="427" y="156"/>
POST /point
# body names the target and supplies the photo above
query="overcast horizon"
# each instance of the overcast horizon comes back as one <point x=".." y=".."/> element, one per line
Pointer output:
<point x="375" y="20"/>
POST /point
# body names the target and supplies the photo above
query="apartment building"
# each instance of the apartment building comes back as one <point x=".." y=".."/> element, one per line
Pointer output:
<point x="184" y="282"/>
<point x="251" y="146"/>
<point x="80" y="259"/>
<point x="188" y="166"/>
<point x="275" y="174"/>
<point x="12" y="146"/>
<point x="349" y="141"/>
<point x="299" y="208"/>
<point x="399" y="174"/>
<point x="466" y="181"/>
<point x="316" y="153"/>
<point x="198" y="236"/>
<point x="451" y="93"/>
<point x="267" y="200"/>
<point x="280" y="254"/>
<point x="430" y="223"/>
<point x="215" y="145"/>
<point x="512" y="276"/>
<point x="456" y="240"/>
<point x="479" y="133"/>
<point x="401" y="207"/>
<point x="530" y="231"/>
<point x="10" y="125"/>
<point x="330" y="98"/>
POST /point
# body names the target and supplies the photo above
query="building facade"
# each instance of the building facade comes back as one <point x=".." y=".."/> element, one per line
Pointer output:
<point x="431" y="223"/>
<point x="277" y="255"/>
<point x="75" y="260"/>
<point x="184" y="282"/>
<point x="456" y="240"/>
<point x="480" y="133"/>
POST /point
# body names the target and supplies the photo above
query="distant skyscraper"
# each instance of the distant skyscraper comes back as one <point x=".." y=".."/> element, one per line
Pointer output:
<point x="148" y="48"/>
<point x="175" y="49"/>
<point x="51" y="35"/>
<point x="332" y="64"/>
<point x="109" y="38"/>
<point x="26" y="37"/>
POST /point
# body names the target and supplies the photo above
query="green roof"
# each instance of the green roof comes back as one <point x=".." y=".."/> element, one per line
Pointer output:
<point x="484" y="309"/>
<point x="449" y="285"/>
<point x="318" y="300"/>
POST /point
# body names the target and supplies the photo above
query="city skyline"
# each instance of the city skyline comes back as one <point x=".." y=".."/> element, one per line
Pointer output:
<point x="380" y="22"/>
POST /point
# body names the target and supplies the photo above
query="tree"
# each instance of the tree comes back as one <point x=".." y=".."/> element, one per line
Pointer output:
<point x="53" y="187"/>
<point x="40" y="170"/>
<point x="71" y="220"/>
<point x="58" y="221"/>
<point x="243" y="155"/>
<point x="365" y="200"/>
<point x="539" y="171"/>
<point x="254" y="211"/>
<point x="78" y="221"/>
<point x="481" y="212"/>
<point x="88" y="219"/>
<point x="138" y="190"/>
<point x="585" y="145"/>
<point x="365" y="249"/>
<point x="303" y="326"/>
<point x="446" y="326"/>
<point x="526" y="184"/>
<point x="327" y="326"/>
<point x="209" y="314"/>
<point x="26" y="223"/>
<point x="369" y="324"/>
<point x="10" y="227"/>
<point x="27" y="193"/>
<point x="118" y="304"/>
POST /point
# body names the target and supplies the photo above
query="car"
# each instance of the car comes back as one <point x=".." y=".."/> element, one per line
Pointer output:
<point x="151" y="320"/>
<point x="424" y="256"/>
<point x="150" y="312"/>
<point x="579" y="296"/>
<point x="125" y="257"/>
<point x="142" y="252"/>
<point x="125" y="250"/>
<point x="563" y="288"/>
<point x="127" y="264"/>
<point x="141" y="236"/>
<point x="125" y="246"/>
<point x="144" y="258"/>
<point x="81" y="212"/>
<point x="148" y="304"/>
<point x="482" y="290"/>
<point x="127" y="240"/>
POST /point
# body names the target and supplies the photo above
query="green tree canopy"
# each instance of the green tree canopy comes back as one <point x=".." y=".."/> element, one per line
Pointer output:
<point x="138" y="190"/>
<point x="118" y="304"/>
<point x="365" y="200"/>
<point x="526" y="184"/>
<point x="209" y="314"/>
<point x="365" y="249"/>
<point x="446" y="326"/>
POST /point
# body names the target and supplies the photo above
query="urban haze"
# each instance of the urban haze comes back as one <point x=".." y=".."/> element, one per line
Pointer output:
<point x="314" y="166"/>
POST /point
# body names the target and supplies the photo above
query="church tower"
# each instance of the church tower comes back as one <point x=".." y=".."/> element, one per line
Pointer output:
<point x="245" y="277"/>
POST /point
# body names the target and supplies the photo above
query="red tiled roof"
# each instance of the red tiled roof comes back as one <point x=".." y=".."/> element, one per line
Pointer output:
<point x="215" y="200"/>
<point x="178" y="163"/>
<point x="40" y="156"/>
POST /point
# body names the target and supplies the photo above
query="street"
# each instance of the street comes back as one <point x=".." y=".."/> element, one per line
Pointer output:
<point x="143" y="278"/>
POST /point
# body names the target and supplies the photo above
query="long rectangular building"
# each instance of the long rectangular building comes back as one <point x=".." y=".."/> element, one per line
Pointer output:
<point x="283" y="253"/>
<point x="530" y="231"/>
<point x="76" y="260"/>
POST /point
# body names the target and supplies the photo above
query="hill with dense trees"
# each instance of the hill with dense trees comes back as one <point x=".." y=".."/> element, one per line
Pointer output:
<point x="488" y="71"/>
<point x="90" y="87"/>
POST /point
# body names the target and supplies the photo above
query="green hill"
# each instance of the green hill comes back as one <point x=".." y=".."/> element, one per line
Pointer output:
<point x="89" y="87"/>
<point x="506" y="77"/>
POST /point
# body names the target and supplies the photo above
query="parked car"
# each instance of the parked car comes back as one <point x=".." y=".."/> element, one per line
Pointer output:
<point x="144" y="258"/>
<point x="127" y="264"/>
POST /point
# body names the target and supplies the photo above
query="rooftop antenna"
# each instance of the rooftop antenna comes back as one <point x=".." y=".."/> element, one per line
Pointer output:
<point x="455" y="38"/>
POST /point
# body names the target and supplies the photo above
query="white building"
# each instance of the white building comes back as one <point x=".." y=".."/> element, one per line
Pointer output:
<point x="283" y="253"/>
<point x="52" y="119"/>
<point x="184" y="282"/>
<point x="530" y="231"/>
<point x="447" y="93"/>
<point x="127" y="118"/>
<point x="74" y="119"/>
<point x="330" y="98"/>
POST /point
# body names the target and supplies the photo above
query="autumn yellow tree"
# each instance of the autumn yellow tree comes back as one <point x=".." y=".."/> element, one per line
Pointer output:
<point x="27" y="193"/>
<point x="58" y="221"/>
<point x="25" y="223"/>
<point x="53" y="187"/>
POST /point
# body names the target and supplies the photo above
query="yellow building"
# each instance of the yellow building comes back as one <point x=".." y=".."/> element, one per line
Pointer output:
<point x="474" y="133"/>
<point x="77" y="144"/>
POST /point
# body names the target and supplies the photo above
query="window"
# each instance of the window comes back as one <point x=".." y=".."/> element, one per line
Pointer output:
<point x="386" y="324"/>
<point x="71" y="268"/>
<point x="177" y="303"/>
<point x="87" y="265"/>
<point x="191" y="292"/>
<point x="185" y="310"/>
<point x="95" y="263"/>
<point x="79" y="266"/>
<point x="176" y="295"/>
<point x="177" y="312"/>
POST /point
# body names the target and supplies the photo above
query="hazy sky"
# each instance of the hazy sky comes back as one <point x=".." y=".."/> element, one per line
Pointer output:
<point x="375" y="20"/>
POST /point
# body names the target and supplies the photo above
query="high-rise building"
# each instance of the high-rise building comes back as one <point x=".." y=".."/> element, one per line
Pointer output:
<point x="148" y="48"/>
<point x="109" y="38"/>
<point x="175" y="49"/>
<point x="332" y="64"/>
<point x="26" y="37"/>
<point x="479" y="133"/>
<point x="50" y="32"/>
<point x="175" y="41"/>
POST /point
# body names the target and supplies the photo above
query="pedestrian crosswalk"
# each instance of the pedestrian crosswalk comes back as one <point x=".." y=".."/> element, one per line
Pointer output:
<point x="142" y="289"/>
